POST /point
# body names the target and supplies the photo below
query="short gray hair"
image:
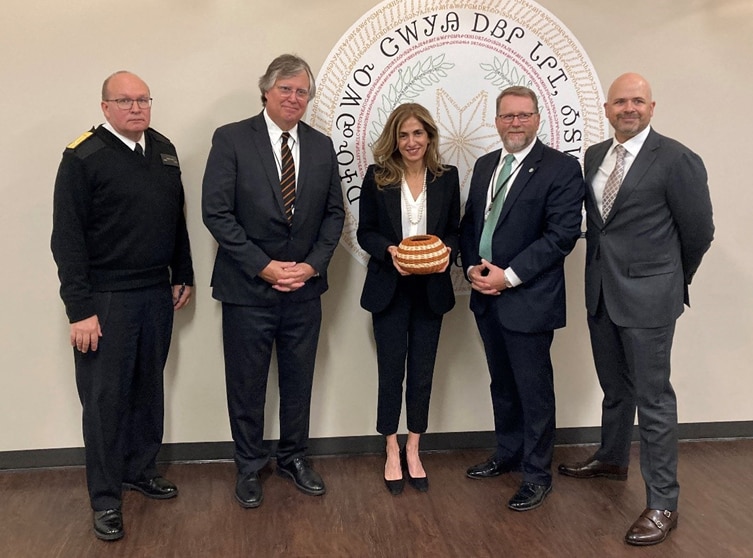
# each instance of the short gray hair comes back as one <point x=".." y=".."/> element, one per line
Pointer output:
<point x="285" y="66"/>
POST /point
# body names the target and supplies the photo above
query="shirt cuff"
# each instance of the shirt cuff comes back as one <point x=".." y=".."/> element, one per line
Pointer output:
<point x="513" y="279"/>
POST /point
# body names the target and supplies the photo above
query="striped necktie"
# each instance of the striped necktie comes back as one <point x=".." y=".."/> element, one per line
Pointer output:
<point x="287" y="178"/>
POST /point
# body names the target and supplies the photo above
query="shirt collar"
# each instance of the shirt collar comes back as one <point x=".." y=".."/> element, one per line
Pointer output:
<point x="519" y="155"/>
<point x="634" y="144"/>
<point x="129" y="142"/>
<point x="275" y="132"/>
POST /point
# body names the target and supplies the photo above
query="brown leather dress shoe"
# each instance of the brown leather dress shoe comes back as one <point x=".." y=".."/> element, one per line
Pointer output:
<point x="591" y="468"/>
<point x="652" y="527"/>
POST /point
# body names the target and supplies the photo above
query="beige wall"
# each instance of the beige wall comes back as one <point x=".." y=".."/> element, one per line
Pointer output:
<point x="202" y="60"/>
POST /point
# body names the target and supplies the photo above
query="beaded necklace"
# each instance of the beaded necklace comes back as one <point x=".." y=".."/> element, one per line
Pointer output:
<point x="420" y="201"/>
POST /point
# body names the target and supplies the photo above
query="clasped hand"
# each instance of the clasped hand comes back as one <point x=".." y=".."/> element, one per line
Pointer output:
<point x="287" y="277"/>
<point x="487" y="278"/>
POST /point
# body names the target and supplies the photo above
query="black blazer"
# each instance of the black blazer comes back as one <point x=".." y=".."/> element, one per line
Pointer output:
<point x="243" y="209"/>
<point x="539" y="225"/>
<point x="380" y="226"/>
<point x="644" y="256"/>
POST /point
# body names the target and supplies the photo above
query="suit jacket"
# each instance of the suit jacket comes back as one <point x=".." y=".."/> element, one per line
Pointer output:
<point x="243" y="209"/>
<point x="538" y="227"/>
<point x="643" y="257"/>
<point x="380" y="226"/>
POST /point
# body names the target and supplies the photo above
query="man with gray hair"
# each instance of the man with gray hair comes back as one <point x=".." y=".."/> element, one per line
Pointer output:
<point x="272" y="200"/>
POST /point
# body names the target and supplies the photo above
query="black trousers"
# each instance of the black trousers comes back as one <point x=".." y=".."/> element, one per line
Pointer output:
<point x="406" y="335"/>
<point x="522" y="390"/>
<point x="633" y="366"/>
<point x="249" y="333"/>
<point x="121" y="390"/>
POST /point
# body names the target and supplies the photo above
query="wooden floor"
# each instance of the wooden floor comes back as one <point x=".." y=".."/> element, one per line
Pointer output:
<point x="45" y="513"/>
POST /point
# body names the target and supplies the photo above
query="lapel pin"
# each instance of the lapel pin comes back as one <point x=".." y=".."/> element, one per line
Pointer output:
<point x="530" y="170"/>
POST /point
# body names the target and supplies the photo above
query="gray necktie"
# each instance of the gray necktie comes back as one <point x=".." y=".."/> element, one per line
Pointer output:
<point x="498" y="199"/>
<point x="138" y="149"/>
<point x="613" y="182"/>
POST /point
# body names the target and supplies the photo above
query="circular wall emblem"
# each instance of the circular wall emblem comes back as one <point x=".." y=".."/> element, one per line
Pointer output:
<point x="453" y="57"/>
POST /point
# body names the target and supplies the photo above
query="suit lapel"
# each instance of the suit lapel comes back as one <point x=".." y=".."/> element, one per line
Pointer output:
<point x="392" y="202"/>
<point x="305" y="160"/>
<point x="644" y="160"/>
<point x="525" y="172"/>
<point x="482" y="189"/>
<point x="599" y="152"/>
<point x="267" y="158"/>
<point x="433" y="202"/>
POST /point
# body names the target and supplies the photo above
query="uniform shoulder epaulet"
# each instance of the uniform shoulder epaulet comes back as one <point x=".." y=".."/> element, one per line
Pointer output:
<point x="79" y="140"/>
<point x="86" y="144"/>
<point x="159" y="137"/>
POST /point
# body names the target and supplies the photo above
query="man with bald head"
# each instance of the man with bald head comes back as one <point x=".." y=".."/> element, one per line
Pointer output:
<point x="649" y="224"/>
<point x="120" y="242"/>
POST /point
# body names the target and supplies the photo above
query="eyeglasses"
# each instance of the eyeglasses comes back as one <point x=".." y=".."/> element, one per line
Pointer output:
<point x="286" y="91"/>
<point x="126" y="104"/>
<point x="522" y="117"/>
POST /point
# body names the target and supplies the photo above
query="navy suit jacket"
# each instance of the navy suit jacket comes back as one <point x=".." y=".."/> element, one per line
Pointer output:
<point x="643" y="257"/>
<point x="538" y="227"/>
<point x="243" y="209"/>
<point x="380" y="226"/>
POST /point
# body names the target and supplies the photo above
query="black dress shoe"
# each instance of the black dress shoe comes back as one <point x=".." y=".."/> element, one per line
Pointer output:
<point x="305" y="478"/>
<point x="108" y="525"/>
<point x="248" y="490"/>
<point x="395" y="486"/>
<point x="158" y="487"/>
<point x="492" y="467"/>
<point x="529" y="496"/>
<point x="419" y="483"/>
<point x="591" y="468"/>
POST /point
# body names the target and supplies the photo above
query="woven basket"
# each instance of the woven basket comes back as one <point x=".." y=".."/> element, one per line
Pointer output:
<point x="422" y="254"/>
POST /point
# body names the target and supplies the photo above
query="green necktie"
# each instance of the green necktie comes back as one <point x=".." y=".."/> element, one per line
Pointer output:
<point x="500" y="188"/>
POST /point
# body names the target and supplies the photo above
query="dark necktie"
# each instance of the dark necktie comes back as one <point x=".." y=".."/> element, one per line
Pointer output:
<point x="287" y="177"/>
<point x="138" y="149"/>
<point x="613" y="182"/>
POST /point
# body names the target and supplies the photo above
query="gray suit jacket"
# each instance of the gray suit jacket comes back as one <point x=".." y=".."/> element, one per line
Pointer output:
<point x="644" y="256"/>
<point x="243" y="209"/>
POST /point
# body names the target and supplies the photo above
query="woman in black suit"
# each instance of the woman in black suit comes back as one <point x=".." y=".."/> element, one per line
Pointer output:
<point x="407" y="192"/>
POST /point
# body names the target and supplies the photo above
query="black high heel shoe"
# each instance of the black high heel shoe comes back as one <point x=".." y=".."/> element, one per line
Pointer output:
<point x="419" y="483"/>
<point x="395" y="486"/>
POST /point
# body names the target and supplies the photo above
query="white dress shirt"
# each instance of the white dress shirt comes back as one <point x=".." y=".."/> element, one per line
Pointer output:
<point x="275" y="138"/>
<point x="129" y="142"/>
<point x="632" y="148"/>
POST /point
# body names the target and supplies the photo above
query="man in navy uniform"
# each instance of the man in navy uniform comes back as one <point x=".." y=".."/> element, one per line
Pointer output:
<point x="120" y="242"/>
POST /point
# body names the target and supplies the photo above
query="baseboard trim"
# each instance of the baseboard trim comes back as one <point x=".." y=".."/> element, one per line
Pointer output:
<point x="356" y="445"/>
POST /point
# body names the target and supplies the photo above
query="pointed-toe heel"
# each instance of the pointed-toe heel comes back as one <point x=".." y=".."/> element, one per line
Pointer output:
<point x="419" y="483"/>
